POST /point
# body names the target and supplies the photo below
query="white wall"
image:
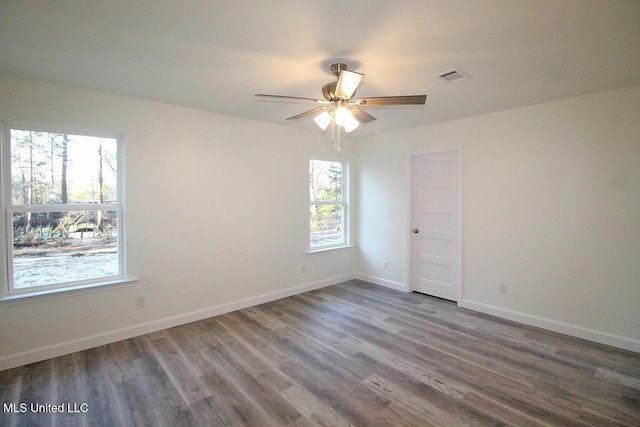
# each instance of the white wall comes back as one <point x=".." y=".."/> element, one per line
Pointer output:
<point x="551" y="204"/>
<point x="551" y="208"/>
<point x="216" y="211"/>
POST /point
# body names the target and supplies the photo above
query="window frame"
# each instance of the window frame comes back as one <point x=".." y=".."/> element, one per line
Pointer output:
<point x="344" y="203"/>
<point x="7" y="290"/>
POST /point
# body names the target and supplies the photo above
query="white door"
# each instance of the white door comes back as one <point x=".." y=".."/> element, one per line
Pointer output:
<point x="436" y="224"/>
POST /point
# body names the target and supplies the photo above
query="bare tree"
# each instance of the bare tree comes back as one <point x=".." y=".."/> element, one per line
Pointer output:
<point x="99" y="219"/>
<point x="63" y="173"/>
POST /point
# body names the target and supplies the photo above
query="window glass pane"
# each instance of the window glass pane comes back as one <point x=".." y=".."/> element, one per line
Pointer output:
<point x="51" y="167"/>
<point x="325" y="225"/>
<point x="325" y="181"/>
<point x="63" y="246"/>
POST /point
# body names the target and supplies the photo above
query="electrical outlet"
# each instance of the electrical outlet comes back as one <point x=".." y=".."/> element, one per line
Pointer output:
<point x="139" y="302"/>
<point x="503" y="288"/>
<point x="385" y="265"/>
<point x="303" y="269"/>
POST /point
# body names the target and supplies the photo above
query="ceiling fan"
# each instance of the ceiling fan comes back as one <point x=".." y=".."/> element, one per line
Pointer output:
<point x="337" y="108"/>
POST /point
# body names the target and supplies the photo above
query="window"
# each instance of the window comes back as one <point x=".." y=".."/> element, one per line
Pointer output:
<point x="62" y="205"/>
<point x="327" y="204"/>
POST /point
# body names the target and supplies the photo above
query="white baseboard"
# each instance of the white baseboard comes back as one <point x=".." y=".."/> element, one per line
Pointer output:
<point x="382" y="282"/>
<point x="555" y="326"/>
<point x="68" y="347"/>
<point x="73" y="346"/>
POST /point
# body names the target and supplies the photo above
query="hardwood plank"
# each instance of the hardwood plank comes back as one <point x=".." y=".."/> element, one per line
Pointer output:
<point x="347" y="399"/>
<point x="428" y="410"/>
<point x="312" y="407"/>
<point x="349" y="354"/>
<point x="436" y="391"/>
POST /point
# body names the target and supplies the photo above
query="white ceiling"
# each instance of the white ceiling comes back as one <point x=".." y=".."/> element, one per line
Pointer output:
<point x="215" y="55"/>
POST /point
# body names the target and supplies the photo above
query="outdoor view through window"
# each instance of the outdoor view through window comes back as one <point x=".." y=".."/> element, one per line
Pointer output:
<point x="327" y="204"/>
<point x="64" y="209"/>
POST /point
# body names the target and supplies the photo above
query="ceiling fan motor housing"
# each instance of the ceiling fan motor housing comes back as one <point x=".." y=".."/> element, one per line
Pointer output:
<point x="329" y="91"/>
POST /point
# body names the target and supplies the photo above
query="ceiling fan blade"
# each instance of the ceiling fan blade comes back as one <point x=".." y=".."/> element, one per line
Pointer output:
<point x="291" y="99"/>
<point x="393" y="100"/>
<point x="307" y="113"/>
<point x="348" y="82"/>
<point x="361" y="115"/>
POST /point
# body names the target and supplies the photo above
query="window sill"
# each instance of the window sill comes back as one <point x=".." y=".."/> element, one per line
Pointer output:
<point x="38" y="296"/>
<point x="324" y="250"/>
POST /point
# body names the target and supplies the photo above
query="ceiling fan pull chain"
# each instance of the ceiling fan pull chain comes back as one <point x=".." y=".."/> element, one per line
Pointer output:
<point x="335" y="140"/>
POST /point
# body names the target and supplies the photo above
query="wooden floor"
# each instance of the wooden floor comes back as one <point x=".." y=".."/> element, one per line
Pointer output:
<point x="350" y="354"/>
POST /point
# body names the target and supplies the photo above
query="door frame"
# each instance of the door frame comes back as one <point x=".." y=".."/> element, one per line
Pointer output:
<point x="410" y="219"/>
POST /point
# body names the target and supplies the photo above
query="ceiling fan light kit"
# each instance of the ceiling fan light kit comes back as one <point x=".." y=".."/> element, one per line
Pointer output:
<point x="339" y="110"/>
<point x="344" y="118"/>
<point x="323" y="119"/>
<point x="348" y="82"/>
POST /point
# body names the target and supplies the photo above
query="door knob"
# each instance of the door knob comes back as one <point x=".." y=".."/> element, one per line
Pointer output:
<point x="416" y="231"/>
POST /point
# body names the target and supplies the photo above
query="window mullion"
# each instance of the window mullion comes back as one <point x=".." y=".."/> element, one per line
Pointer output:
<point x="74" y="207"/>
<point x="327" y="202"/>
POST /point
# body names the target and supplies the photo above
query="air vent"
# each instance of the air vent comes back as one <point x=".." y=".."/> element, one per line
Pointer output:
<point x="454" y="76"/>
